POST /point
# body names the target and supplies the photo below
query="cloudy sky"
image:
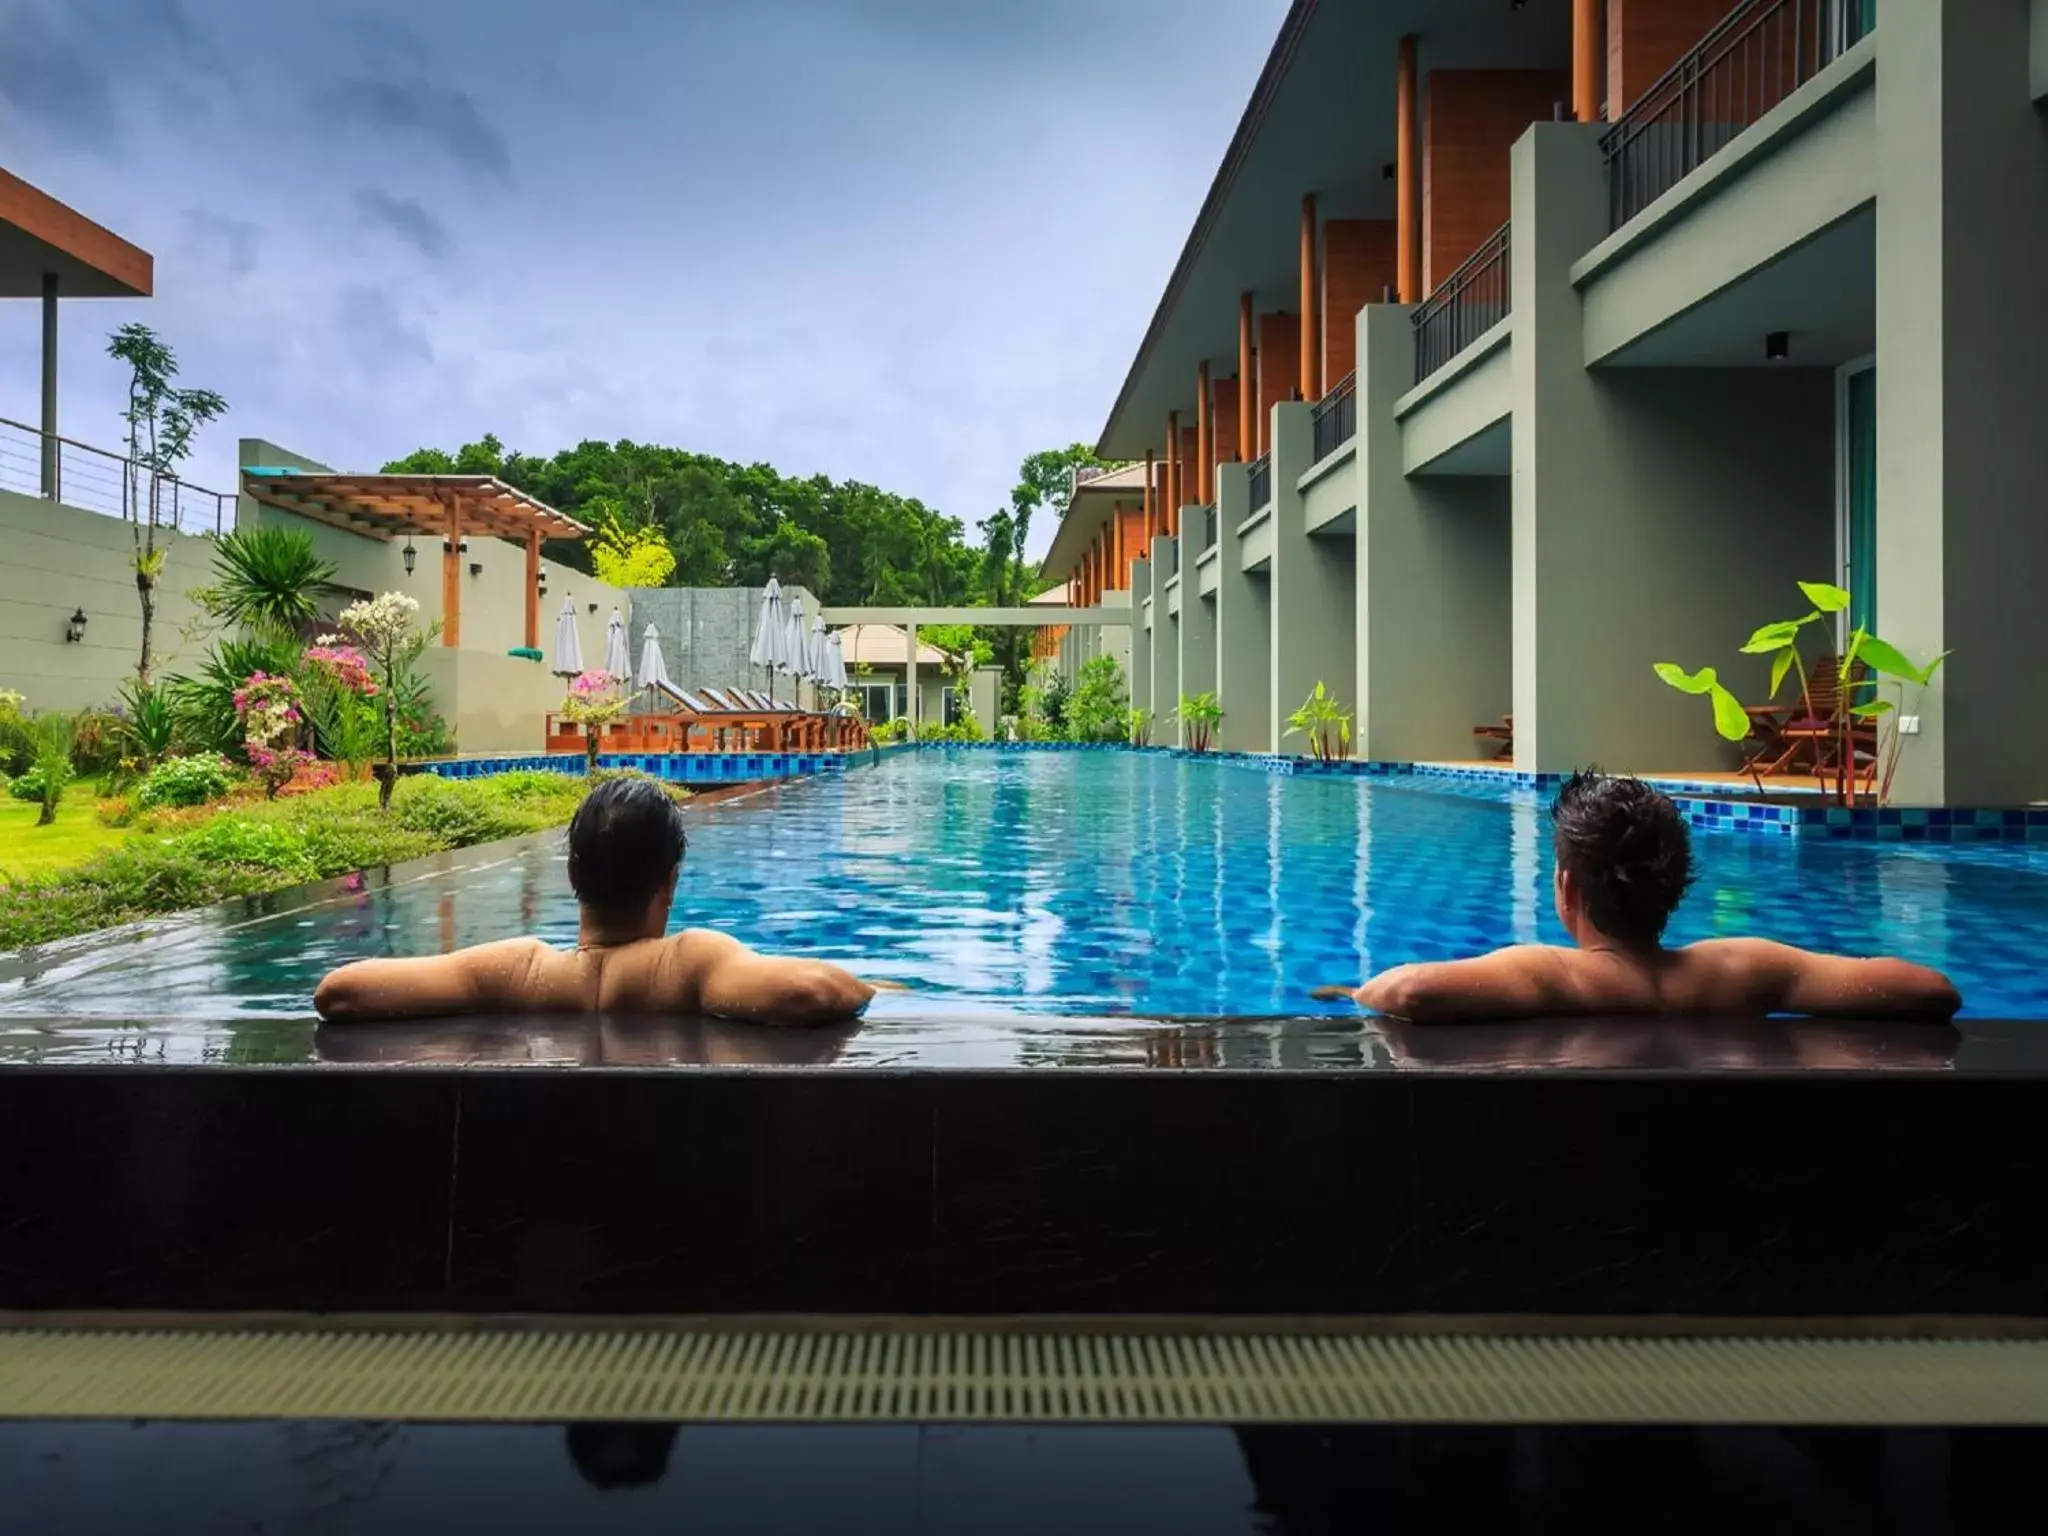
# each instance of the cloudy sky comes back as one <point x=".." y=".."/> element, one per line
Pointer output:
<point x="902" y="241"/>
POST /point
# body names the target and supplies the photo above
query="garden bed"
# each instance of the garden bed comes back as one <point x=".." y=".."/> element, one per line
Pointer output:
<point x="171" y="860"/>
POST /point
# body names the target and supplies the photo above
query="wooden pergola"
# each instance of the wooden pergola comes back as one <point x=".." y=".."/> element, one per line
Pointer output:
<point x="447" y="507"/>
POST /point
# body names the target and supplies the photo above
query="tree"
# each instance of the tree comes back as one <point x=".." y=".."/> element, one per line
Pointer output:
<point x="162" y="419"/>
<point x="381" y="631"/>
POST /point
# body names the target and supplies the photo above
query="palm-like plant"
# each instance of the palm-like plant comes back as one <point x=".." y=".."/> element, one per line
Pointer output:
<point x="152" y="723"/>
<point x="1199" y="713"/>
<point x="269" y="580"/>
<point x="1325" y="722"/>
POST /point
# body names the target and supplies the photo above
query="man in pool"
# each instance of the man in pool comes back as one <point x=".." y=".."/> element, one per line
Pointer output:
<point x="1624" y="860"/>
<point x="625" y="852"/>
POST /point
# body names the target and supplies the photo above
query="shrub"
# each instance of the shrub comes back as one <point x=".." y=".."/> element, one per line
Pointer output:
<point x="190" y="780"/>
<point x="17" y="735"/>
<point x="27" y="786"/>
<point x="115" y="811"/>
<point x="1097" y="710"/>
<point x="98" y="737"/>
<point x="254" y="844"/>
<point x="890" y="731"/>
<point x="442" y="809"/>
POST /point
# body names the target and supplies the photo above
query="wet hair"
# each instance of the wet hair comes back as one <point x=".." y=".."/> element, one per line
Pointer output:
<point x="625" y="840"/>
<point x="621" y="1455"/>
<point x="1627" y="851"/>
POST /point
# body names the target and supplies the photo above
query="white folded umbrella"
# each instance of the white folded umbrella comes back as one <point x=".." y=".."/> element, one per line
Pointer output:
<point x="835" y="662"/>
<point x="568" y="648"/>
<point x="653" y="671"/>
<point x="771" y="635"/>
<point x="617" y="665"/>
<point x="815" y="649"/>
<point x="796" y="659"/>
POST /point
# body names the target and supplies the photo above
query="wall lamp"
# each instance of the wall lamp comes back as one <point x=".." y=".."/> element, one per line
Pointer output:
<point x="1777" y="346"/>
<point x="411" y="556"/>
<point x="74" y="627"/>
<point x="593" y="607"/>
<point x="448" y="547"/>
<point x="476" y="567"/>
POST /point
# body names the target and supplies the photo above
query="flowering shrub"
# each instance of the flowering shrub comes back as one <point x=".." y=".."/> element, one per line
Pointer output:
<point x="190" y="780"/>
<point x="345" y="664"/>
<point x="594" y="701"/>
<point x="268" y="707"/>
<point x="382" y="629"/>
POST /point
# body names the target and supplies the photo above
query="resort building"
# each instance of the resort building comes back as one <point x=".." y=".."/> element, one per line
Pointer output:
<point x="1519" y="347"/>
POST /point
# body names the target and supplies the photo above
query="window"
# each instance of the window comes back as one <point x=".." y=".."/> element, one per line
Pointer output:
<point x="877" y="702"/>
<point x="955" y="703"/>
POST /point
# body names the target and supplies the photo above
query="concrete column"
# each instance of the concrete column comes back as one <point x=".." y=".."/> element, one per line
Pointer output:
<point x="1434" y="587"/>
<point x="1244" y="623"/>
<point x="1659" y="514"/>
<point x="1310" y="383"/>
<point x="1311" y="589"/>
<point x="1587" y="42"/>
<point x="451" y="582"/>
<point x="910" y="710"/>
<point x="50" y="478"/>
<point x="1197" y="615"/>
<point x="533" y="592"/>
<point x="1141" y="642"/>
<point x="1165" y="646"/>
<point x="1962" y="462"/>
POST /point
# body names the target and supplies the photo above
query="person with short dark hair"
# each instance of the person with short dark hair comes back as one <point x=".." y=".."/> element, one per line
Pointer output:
<point x="1623" y="863"/>
<point x="626" y="846"/>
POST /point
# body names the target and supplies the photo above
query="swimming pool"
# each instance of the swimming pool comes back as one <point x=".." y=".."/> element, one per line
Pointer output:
<point x="1090" y="885"/>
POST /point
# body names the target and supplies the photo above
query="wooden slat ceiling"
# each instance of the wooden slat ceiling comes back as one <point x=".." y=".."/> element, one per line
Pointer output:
<point x="388" y="506"/>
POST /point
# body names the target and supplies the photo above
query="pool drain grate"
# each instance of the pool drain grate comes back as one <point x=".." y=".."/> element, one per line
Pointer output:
<point x="553" y="1376"/>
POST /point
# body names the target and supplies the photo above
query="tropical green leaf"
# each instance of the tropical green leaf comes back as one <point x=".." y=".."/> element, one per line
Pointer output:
<point x="1857" y="639"/>
<point x="1873" y="709"/>
<point x="1772" y="637"/>
<point x="1887" y="658"/>
<point x="1730" y="719"/>
<point x="1779" y="668"/>
<point x="1828" y="599"/>
<point x="1927" y="672"/>
<point x="1695" y="682"/>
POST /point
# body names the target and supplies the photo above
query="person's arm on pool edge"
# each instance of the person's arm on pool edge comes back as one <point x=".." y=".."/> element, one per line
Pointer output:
<point x="733" y="982"/>
<point x="1794" y="980"/>
<point x="481" y="979"/>
<point x="1521" y="982"/>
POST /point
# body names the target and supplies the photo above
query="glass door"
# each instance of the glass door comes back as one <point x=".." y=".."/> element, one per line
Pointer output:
<point x="1856" y="427"/>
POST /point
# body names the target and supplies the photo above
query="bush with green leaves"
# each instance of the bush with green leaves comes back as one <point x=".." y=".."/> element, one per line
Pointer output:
<point x="253" y="844"/>
<point x="27" y="786"/>
<point x="190" y="780"/>
<point x="204" y="702"/>
<point x="17" y="734"/>
<point x="1098" y="709"/>
<point x="151" y="725"/>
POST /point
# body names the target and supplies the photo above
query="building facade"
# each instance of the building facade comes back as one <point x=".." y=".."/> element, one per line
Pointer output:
<point x="1517" y="349"/>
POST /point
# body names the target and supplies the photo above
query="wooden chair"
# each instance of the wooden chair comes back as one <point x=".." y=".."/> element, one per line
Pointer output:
<point x="1504" y="733"/>
<point x="1802" y="737"/>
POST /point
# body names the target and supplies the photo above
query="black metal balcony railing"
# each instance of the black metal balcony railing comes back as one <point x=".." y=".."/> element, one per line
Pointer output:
<point x="1262" y="480"/>
<point x="1758" y="55"/>
<point x="1336" y="417"/>
<point x="95" y="480"/>
<point x="1466" y="305"/>
<point x="1208" y="529"/>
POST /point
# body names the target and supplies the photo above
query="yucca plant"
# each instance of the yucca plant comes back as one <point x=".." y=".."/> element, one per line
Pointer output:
<point x="1199" y="714"/>
<point x="269" y="580"/>
<point x="151" y="725"/>
<point x="1326" y="724"/>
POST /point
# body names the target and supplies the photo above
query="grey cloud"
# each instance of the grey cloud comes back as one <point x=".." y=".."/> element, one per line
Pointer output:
<point x="235" y="241"/>
<point x="373" y="329"/>
<point x="406" y="218"/>
<point x="444" y="116"/>
<point x="50" y="77"/>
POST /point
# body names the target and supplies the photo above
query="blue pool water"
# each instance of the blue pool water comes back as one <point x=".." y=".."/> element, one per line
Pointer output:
<point x="1103" y="884"/>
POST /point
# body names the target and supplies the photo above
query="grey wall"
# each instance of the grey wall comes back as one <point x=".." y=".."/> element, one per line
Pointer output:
<point x="1244" y="626"/>
<point x="706" y="635"/>
<point x="1313" y="584"/>
<point x="1962" y="467"/>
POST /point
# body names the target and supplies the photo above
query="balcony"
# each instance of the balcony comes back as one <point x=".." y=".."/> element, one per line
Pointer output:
<point x="1755" y="58"/>
<point x="1466" y="305"/>
<point x="1262" y="481"/>
<point x="1208" y="529"/>
<point x="94" y="480"/>
<point x="1336" y="417"/>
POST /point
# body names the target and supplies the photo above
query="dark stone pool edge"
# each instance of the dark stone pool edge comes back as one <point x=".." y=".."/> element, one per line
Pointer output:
<point x="621" y="1191"/>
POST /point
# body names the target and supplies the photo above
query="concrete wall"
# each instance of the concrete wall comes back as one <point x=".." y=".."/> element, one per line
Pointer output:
<point x="1244" y="626"/>
<point x="55" y="559"/>
<point x="1659" y="515"/>
<point x="494" y="702"/>
<point x="707" y="633"/>
<point x="1458" y="405"/>
<point x="1962" y="458"/>
<point x="1435" y="560"/>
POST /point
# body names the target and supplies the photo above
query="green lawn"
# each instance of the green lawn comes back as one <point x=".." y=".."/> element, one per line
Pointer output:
<point x="77" y="834"/>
